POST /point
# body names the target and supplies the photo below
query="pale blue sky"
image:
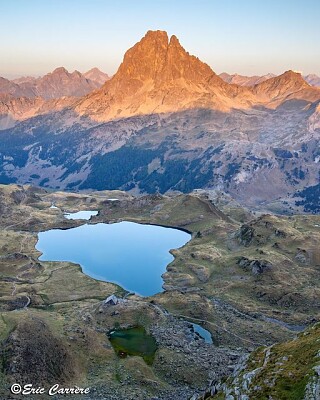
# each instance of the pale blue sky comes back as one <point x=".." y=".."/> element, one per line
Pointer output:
<point x="244" y="36"/>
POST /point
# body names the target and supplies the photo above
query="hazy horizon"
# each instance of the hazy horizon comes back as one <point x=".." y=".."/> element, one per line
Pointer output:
<point x="247" y="37"/>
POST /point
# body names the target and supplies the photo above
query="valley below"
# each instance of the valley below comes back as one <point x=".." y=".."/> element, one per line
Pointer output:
<point x="249" y="278"/>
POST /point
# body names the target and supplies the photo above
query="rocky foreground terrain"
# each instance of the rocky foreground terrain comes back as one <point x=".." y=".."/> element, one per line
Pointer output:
<point x="251" y="279"/>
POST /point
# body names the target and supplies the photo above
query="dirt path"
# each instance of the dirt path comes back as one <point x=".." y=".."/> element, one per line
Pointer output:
<point x="17" y="223"/>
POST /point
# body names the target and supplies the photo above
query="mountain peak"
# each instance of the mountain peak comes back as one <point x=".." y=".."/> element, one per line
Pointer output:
<point x="60" y="70"/>
<point x="158" y="59"/>
<point x="93" y="70"/>
<point x="159" y="36"/>
<point x="95" y="75"/>
<point x="313" y="79"/>
<point x="281" y="86"/>
<point x="290" y="78"/>
<point x="157" y="75"/>
<point x="292" y="75"/>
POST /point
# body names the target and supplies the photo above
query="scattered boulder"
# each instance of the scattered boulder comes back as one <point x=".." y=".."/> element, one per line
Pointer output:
<point x="280" y="233"/>
<point x="113" y="300"/>
<point x="257" y="267"/>
<point x="302" y="256"/>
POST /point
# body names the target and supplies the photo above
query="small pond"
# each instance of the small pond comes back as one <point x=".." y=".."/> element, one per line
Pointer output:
<point x="129" y="254"/>
<point x="206" y="335"/>
<point x="133" y="342"/>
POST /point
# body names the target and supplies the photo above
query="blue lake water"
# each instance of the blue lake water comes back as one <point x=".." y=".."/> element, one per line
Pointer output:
<point x="81" y="215"/>
<point x="129" y="254"/>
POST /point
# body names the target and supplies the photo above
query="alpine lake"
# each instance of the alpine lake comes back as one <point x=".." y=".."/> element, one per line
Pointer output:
<point x="132" y="255"/>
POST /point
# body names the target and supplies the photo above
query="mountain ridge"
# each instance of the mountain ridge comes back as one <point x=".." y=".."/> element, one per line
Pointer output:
<point x="243" y="80"/>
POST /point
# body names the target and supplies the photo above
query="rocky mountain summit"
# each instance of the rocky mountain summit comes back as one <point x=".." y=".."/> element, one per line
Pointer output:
<point x="158" y="76"/>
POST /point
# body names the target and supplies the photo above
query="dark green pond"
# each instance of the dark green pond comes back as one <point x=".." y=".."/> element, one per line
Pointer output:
<point x="133" y="342"/>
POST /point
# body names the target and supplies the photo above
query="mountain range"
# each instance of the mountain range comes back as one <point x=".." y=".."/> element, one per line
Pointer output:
<point x="54" y="85"/>
<point x="312" y="79"/>
<point x="245" y="80"/>
<point x="178" y="125"/>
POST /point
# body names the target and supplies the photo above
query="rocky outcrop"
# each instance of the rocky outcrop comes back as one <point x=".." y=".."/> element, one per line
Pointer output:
<point x="257" y="267"/>
<point x="245" y="235"/>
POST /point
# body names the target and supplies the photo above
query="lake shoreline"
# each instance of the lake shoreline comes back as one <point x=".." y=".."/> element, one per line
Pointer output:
<point x="136" y="270"/>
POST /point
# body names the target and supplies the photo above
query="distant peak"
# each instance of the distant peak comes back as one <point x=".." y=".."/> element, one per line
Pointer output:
<point x="94" y="69"/>
<point x="291" y="73"/>
<point x="96" y="75"/>
<point x="76" y="73"/>
<point x="311" y="76"/>
<point x="60" y="70"/>
<point x="293" y="76"/>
